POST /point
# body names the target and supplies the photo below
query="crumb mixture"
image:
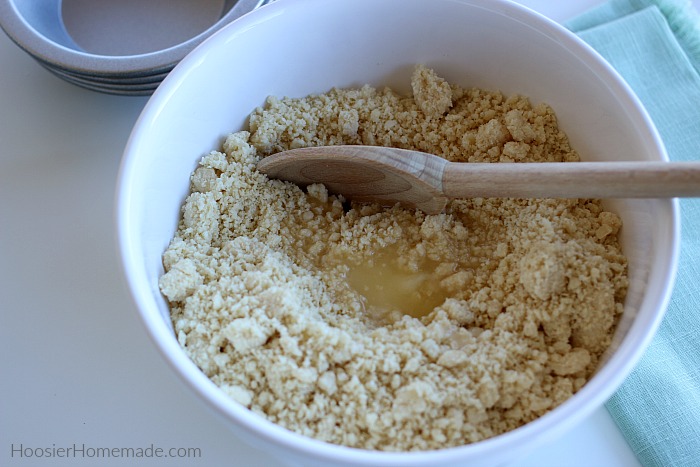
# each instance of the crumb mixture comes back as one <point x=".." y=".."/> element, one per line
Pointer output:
<point x="276" y="291"/>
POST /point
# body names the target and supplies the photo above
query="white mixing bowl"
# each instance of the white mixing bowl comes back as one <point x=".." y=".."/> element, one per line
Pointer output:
<point x="298" y="47"/>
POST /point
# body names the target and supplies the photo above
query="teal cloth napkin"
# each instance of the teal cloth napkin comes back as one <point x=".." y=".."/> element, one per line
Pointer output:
<point x="655" y="46"/>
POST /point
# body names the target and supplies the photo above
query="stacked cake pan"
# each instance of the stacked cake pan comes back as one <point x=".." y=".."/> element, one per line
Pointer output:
<point x="121" y="47"/>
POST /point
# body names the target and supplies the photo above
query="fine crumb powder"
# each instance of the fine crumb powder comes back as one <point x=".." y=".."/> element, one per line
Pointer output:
<point x="522" y="295"/>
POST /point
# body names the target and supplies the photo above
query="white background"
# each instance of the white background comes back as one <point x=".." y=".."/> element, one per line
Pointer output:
<point x="76" y="364"/>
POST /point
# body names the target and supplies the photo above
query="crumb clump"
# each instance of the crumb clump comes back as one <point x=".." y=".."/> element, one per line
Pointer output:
<point x="432" y="94"/>
<point x="257" y="276"/>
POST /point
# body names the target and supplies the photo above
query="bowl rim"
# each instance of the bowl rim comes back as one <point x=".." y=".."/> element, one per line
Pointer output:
<point x="593" y="395"/>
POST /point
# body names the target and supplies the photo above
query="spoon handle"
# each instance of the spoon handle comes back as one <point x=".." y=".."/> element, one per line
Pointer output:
<point x="572" y="180"/>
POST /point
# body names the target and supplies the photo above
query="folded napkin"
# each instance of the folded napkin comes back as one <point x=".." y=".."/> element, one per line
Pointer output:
<point x="655" y="46"/>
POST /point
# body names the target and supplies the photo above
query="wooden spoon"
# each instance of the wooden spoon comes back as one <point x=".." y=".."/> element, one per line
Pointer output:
<point x="424" y="181"/>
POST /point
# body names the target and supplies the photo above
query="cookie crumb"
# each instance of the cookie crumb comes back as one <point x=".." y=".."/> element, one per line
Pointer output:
<point x="433" y="94"/>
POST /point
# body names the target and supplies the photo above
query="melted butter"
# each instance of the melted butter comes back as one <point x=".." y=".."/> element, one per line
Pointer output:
<point x="388" y="291"/>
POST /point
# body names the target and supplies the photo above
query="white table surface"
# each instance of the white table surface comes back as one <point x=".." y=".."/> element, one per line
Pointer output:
<point x="77" y="367"/>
